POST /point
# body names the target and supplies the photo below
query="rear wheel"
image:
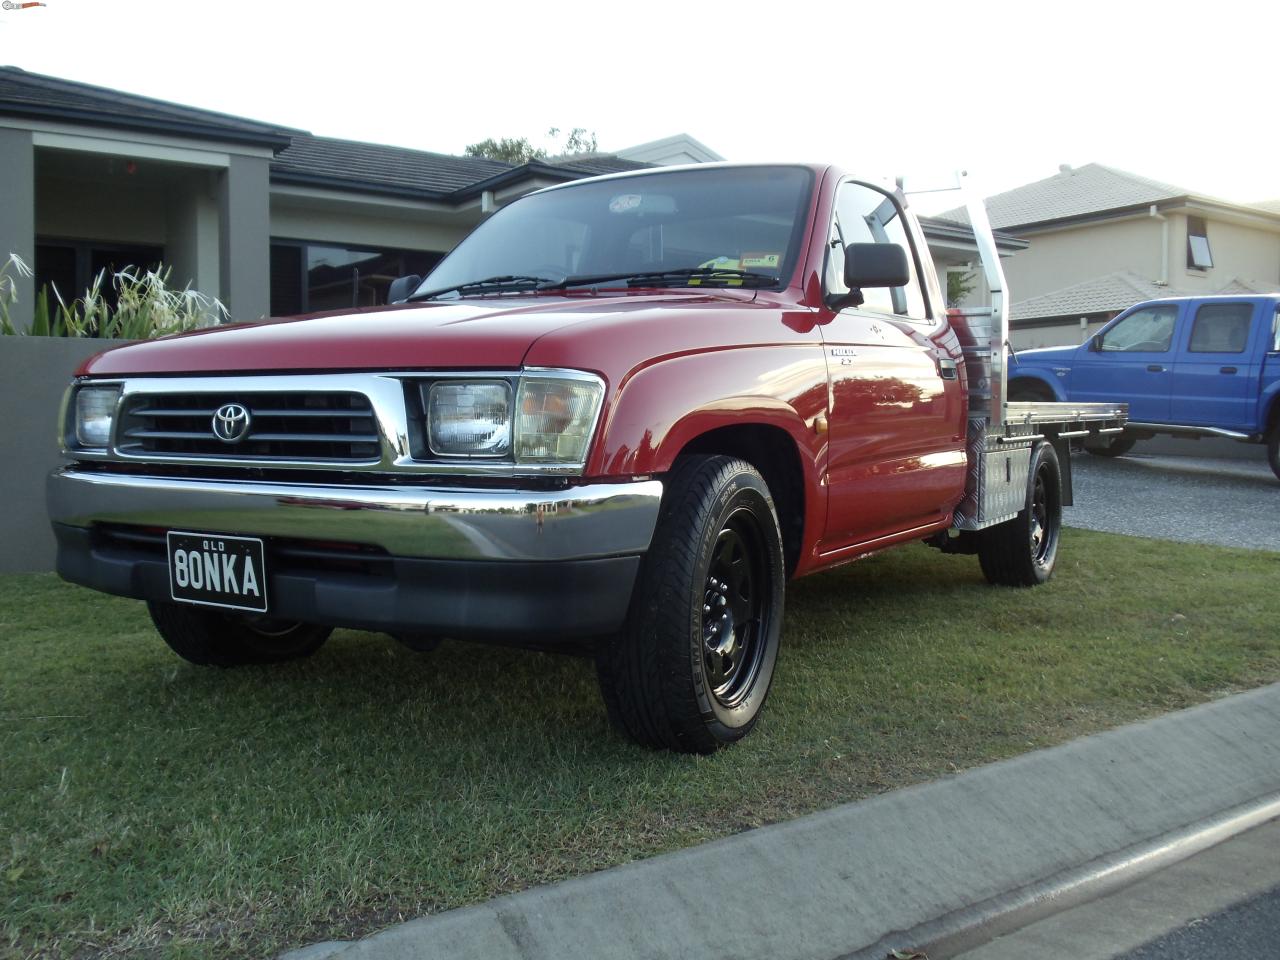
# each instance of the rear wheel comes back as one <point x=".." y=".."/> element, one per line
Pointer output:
<point x="692" y="668"/>
<point x="1022" y="552"/>
<point x="1113" y="446"/>
<point x="215" y="639"/>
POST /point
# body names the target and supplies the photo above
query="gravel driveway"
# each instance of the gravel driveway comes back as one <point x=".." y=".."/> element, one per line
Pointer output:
<point x="1233" y="502"/>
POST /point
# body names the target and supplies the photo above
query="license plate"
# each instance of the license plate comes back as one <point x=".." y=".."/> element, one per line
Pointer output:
<point x="218" y="571"/>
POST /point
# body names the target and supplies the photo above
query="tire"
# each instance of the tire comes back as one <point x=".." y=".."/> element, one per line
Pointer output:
<point x="1020" y="391"/>
<point x="1113" y="446"/>
<point x="1022" y="552"/>
<point x="692" y="667"/>
<point x="419" y="642"/>
<point x="1273" y="451"/>
<point x="214" y="639"/>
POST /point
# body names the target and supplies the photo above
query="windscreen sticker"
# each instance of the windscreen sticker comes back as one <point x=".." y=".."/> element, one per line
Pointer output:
<point x="757" y="261"/>
<point x="624" y="202"/>
<point x="718" y="263"/>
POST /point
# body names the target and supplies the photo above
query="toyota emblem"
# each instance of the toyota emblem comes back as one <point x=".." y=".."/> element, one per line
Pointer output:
<point x="231" y="422"/>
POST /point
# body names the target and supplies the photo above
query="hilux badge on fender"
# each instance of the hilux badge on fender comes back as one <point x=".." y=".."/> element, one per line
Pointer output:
<point x="231" y="422"/>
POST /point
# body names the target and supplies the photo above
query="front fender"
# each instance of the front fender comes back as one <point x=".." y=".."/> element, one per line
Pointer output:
<point x="662" y="407"/>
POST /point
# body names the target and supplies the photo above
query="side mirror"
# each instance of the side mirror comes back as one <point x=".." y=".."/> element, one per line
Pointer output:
<point x="875" y="265"/>
<point x="402" y="287"/>
<point x="1095" y="343"/>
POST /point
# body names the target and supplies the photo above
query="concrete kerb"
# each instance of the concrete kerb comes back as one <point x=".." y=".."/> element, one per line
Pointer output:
<point x="939" y="866"/>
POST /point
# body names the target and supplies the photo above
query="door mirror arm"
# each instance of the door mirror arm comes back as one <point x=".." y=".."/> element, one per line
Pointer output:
<point x="840" y="301"/>
<point x="402" y="287"/>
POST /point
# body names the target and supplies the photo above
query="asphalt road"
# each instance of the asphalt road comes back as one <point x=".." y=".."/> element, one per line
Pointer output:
<point x="1234" y="502"/>
<point x="1249" y="929"/>
<point x="1221" y="904"/>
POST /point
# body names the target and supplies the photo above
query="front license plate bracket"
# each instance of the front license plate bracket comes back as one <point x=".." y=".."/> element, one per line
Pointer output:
<point x="216" y="570"/>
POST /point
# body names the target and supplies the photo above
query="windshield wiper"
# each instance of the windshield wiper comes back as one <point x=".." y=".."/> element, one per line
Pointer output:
<point x="491" y="284"/>
<point x="717" y="276"/>
<point x="708" y="276"/>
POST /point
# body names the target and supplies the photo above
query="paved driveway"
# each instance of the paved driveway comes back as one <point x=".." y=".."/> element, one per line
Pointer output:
<point x="1234" y="502"/>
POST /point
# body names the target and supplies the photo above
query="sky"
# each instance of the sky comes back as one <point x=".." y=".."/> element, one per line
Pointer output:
<point x="1187" y="93"/>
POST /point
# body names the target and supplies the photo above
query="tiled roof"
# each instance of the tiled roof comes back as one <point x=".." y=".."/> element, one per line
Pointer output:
<point x="353" y="165"/>
<point x="1242" y="286"/>
<point x="599" y="163"/>
<point x="936" y="228"/>
<point x="35" y="95"/>
<point x="1072" y="192"/>
<point x="1115" y="291"/>
<point x="365" y="166"/>
<point x="1118" y="291"/>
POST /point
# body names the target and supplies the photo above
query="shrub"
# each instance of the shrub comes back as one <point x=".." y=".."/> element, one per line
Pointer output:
<point x="144" y="306"/>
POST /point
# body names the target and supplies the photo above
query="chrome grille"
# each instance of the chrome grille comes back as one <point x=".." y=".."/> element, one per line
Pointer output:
<point x="315" y="426"/>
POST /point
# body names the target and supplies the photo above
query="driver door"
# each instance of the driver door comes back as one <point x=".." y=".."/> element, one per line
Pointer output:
<point x="1134" y="364"/>
<point x="897" y="457"/>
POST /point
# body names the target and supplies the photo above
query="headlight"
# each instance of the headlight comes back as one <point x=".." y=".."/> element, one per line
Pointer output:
<point x="470" y="418"/>
<point x="95" y="409"/>
<point x="555" y="417"/>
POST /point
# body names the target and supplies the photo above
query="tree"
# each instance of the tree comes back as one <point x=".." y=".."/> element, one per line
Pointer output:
<point x="959" y="286"/>
<point x="578" y="140"/>
<point x="508" y="149"/>
<point x="520" y="150"/>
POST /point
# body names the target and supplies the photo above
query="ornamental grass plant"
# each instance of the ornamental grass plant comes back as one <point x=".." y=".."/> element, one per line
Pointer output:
<point x="129" y="304"/>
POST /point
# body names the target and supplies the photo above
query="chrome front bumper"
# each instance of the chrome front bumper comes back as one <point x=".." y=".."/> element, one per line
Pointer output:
<point x="584" y="522"/>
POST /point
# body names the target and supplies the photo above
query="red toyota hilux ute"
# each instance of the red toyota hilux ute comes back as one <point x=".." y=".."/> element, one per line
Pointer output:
<point x="617" y="418"/>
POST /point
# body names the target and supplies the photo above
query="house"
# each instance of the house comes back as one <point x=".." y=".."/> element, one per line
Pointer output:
<point x="1102" y="239"/>
<point x="272" y="220"/>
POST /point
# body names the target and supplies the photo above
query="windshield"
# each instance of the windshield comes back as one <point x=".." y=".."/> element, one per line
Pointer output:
<point x="684" y="228"/>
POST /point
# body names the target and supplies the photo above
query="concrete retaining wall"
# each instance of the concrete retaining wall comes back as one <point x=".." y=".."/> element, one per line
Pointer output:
<point x="34" y="372"/>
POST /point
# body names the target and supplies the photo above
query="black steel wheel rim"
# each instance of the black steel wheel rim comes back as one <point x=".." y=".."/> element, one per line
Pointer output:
<point x="1044" y="531"/>
<point x="735" y="608"/>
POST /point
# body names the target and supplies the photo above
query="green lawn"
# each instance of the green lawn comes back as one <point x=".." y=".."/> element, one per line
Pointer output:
<point x="150" y="808"/>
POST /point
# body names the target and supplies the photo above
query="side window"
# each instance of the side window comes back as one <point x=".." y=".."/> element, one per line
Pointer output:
<point x="864" y="215"/>
<point x="1221" y="328"/>
<point x="1147" y="331"/>
<point x="1275" y="332"/>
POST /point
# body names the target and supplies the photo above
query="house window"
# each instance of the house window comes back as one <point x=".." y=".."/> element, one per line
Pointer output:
<point x="311" y="277"/>
<point x="1199" y="256"/>
<point x="70" y="266"/>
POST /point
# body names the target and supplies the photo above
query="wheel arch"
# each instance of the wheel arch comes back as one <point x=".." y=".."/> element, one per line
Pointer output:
<point x="1270" y="409"/>
<point x="1034" y="382"/>
<point x="772" y="451"/>
<point x="766" y="406"/>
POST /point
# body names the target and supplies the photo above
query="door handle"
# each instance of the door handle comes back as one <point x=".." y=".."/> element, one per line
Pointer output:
<point x="1227" y="370"/>
<point x="1155" y="368"/>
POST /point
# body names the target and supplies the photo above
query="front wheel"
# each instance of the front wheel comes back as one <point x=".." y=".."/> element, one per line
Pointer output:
<point x="1273" y="451"/>
<point x="215" y="639"/>
<point x="1022" y="552"/>
<point x="691" y="669"/>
